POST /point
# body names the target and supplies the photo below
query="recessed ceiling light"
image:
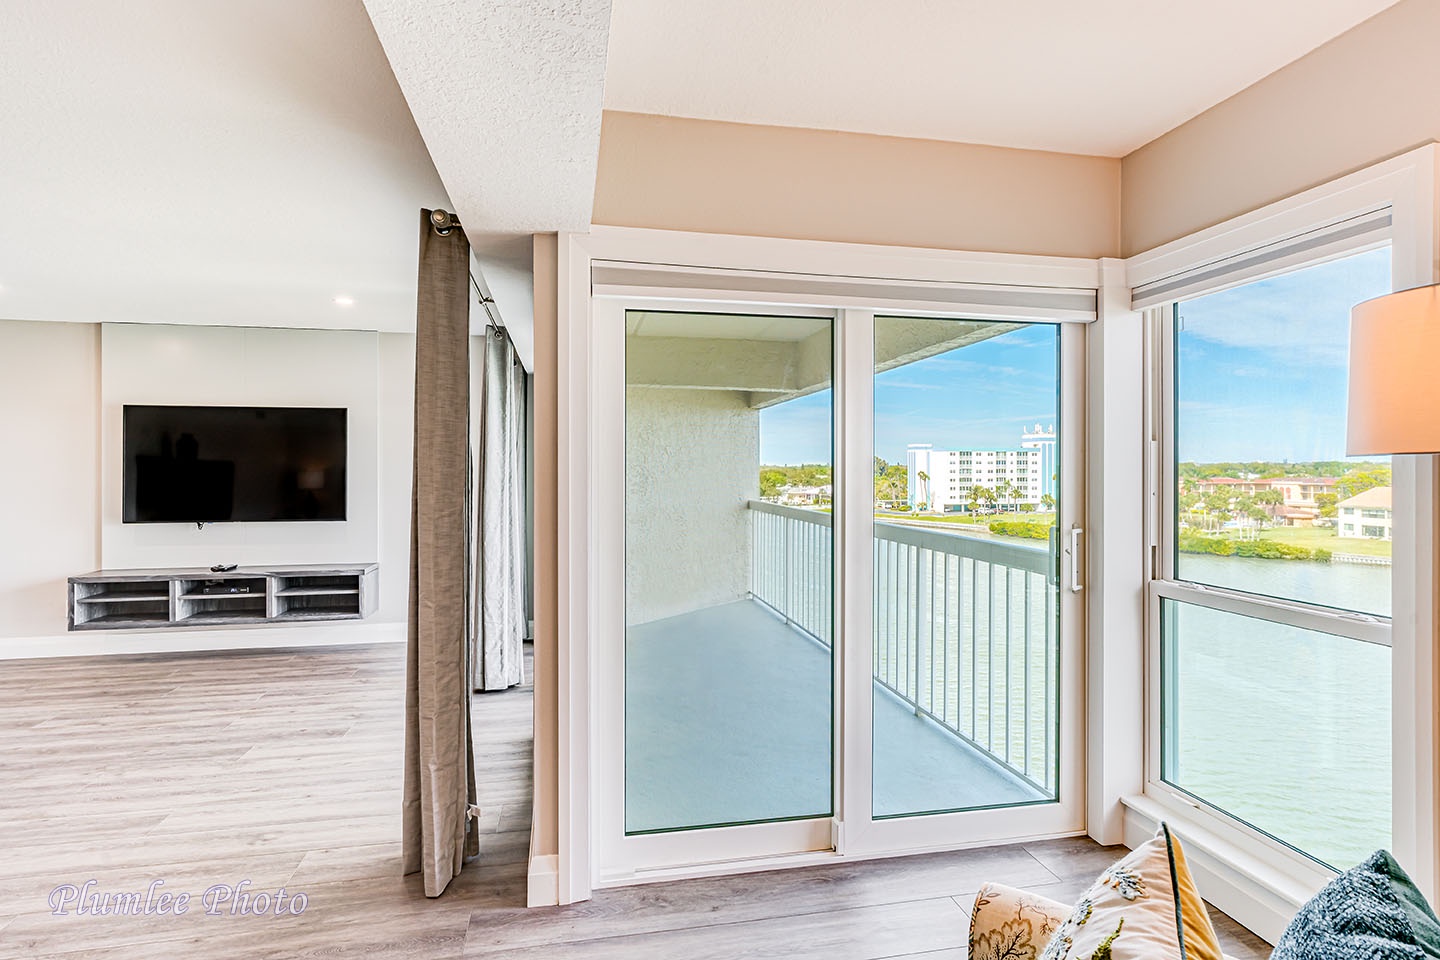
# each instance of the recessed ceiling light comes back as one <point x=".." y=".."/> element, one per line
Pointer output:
<point x="344" y="301"/>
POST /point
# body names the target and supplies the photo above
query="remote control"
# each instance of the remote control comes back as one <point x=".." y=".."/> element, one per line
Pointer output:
<point x="223" y="567"/>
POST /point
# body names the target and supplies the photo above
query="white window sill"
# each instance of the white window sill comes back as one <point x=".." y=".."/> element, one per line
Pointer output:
<point x="1255" y="884"/>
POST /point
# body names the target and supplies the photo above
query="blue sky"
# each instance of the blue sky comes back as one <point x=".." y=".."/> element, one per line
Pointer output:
<point x="1261" y="377"/>
<point x="983" y="395"/>
<point x="1261" y="368"/>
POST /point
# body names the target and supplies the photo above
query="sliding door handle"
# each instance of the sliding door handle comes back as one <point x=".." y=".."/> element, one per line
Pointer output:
<point x="1075" y="585"/>
<point x="1052" y="573"/>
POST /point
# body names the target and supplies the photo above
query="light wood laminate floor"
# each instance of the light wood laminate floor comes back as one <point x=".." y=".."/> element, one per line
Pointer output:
<point x="283" y="768"/>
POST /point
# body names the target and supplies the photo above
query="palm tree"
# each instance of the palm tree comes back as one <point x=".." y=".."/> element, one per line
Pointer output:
<point x="1007" y="492"/>
<point x="923" y="495"/>
<point x="1218" y="505"/>
<point x="983" y="495"/>
<point x="1272" y="500"/>
<point x="991" y="498"/>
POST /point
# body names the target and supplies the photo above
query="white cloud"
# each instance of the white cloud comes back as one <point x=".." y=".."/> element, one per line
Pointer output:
<point x="1297" y="318"/>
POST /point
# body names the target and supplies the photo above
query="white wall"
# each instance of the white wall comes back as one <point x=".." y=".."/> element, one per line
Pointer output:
<point x="397" y="470"/>
<point x="62" y="387"/>
<point x="691" y="462"/>
<point x="49" y="469"/>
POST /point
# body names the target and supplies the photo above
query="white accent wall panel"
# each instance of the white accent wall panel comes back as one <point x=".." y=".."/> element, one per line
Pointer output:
<point x="241" y="366"/>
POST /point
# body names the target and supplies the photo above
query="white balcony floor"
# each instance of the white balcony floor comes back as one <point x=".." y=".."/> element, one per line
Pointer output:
<point x="728" y="720"/>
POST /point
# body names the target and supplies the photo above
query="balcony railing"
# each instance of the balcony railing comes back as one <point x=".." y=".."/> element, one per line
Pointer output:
<point x="791" y="566"/>
<point x="964" y="628"/>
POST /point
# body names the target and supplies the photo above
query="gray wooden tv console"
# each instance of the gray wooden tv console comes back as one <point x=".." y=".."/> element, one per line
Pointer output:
<point x="196" y="597"/>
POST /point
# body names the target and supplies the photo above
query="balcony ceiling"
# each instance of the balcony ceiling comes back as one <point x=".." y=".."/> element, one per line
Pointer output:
<point x="715" y="326"/>
<point x="772" y="359"/>
<point x="1100" y="78"/>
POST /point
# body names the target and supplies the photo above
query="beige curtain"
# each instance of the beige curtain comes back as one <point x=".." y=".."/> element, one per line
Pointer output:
<point x="439" y="763"/>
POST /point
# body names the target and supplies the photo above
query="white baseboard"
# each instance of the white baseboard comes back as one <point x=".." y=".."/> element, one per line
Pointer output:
<point x="543" y="883"/>
<point x="90" y="643"/>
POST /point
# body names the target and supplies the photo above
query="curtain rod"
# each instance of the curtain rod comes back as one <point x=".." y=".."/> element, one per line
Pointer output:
<point x="487" y="303"/>
<point x="442" y="221"/>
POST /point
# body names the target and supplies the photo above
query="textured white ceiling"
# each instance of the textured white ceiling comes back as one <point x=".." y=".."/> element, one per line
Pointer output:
<point x="507" y="94"/>
<point x="1101" y="77"/>
<point x="193" y="162"/>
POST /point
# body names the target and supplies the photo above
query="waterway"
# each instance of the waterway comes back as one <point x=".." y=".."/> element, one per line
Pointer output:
<point x="1286" y="729"/>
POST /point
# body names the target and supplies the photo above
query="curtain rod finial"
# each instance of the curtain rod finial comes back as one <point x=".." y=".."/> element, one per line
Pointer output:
<point x="443" y="221"/>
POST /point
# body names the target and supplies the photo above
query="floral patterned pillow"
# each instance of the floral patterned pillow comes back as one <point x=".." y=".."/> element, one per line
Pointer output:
<point x="1010" y="924"/>
<point x="1145" y="907"/>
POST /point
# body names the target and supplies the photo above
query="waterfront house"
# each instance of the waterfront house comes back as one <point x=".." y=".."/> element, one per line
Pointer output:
<point x="1368" y="515"/>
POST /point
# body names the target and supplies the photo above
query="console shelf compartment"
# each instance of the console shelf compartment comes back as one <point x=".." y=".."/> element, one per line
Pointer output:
<point x="126" y="598"/>
<point x="317" y="591"/>
<point x="130" y="599"/>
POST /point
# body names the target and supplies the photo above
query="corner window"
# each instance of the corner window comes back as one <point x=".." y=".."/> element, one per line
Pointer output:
<point x="1275" y="663"/>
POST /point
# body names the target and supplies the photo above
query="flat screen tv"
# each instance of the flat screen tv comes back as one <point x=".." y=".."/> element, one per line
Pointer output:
<point x="216" y="464"/>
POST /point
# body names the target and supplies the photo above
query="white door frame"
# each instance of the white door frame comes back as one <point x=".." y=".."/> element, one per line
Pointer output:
<point x="920" y="282"/>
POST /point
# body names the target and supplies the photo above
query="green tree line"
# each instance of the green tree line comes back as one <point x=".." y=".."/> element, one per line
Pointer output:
<point x="773" y="478"/>
<point x="1272" y="469"/>
<point x="1219" y="506"/>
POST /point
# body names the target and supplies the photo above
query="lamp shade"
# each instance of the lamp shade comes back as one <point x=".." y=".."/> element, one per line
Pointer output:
<point x="1395" y="374"/>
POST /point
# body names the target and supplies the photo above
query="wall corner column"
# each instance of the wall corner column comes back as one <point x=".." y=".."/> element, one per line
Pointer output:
<point x="1116" y="556"/>
<point x="544" y="827"/>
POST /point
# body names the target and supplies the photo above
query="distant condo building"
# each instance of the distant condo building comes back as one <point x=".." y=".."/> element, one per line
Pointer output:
<point x="943" y="479"/>
<point x="1044" y="441"/>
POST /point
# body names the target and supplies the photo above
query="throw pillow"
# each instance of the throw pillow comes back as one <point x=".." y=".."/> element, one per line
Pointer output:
<point x="1010" y="924"/>
<point x="1145" y="907"/>
<point x="1373" y="911"/>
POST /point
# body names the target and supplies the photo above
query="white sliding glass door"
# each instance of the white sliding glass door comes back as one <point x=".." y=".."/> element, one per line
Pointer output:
<point x="963" y="596"/>
<point x="729" y="663"/>
<point x="966" y="630"/>
<point x="836" y="597"/>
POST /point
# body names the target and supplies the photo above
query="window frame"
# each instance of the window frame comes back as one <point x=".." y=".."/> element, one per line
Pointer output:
<point x="1242" y="858"/>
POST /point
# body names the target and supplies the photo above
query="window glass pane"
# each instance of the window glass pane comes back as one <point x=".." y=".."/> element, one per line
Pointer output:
<point x="1284" y="728"/>
<point x="728" y="571"/>
<point x="1266" y="500"/>
<point x="966" y="614"/>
